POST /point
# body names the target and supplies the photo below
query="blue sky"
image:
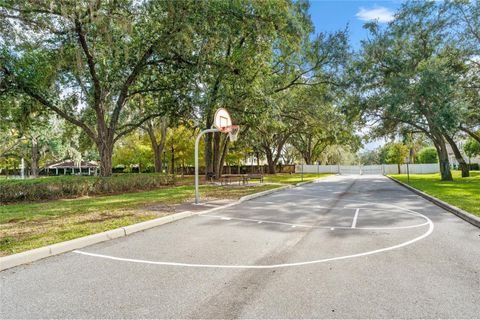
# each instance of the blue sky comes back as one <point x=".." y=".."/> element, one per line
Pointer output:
<point x="332" y="15"/>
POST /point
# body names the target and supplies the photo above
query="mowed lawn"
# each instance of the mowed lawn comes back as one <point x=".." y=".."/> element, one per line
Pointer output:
<point x="31" y="225"/>
<point x="463" y="193"/>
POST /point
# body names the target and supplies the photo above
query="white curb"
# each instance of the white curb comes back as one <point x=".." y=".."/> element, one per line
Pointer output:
<point x="66" y="246"/>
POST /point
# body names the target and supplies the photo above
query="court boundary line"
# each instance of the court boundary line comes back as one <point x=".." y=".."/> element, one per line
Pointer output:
<point x="229" y="218"/>
<point x="355" y="217"/>
<point x="283" y="265"/>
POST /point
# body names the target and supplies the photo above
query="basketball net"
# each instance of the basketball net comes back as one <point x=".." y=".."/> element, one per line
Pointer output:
<point x="232" y="131"/>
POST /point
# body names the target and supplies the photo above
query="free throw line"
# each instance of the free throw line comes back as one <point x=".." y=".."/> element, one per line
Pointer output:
<point x="354" y="222"/>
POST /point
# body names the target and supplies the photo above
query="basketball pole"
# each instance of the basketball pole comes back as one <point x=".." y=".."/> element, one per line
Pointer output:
<point x="197" y="142"/>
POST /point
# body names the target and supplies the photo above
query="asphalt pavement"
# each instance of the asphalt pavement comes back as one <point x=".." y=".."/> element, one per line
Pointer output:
<point x="342" y="247"/>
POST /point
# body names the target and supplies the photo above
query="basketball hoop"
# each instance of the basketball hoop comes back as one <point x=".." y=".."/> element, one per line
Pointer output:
<point x="232" y="132"/>
<point x="223" y="123"/>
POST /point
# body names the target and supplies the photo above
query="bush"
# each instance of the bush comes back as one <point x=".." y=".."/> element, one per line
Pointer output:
<point x="72" y="186"/>
<point x="427" y="155"/>
<point x="474" y="166"/>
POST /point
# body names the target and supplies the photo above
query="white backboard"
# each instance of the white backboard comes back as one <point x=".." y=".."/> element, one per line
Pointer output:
<point x="222" y="119"/>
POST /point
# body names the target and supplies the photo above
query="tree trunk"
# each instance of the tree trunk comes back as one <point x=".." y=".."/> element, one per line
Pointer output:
<point x="274" y="156"/>
<point x="173" y="160"/>
<point x="208" y="151"/>
<point x="35" y="156"/>
<point x="208" y="154"/>
<point x="157" y="146"/>
<point x="271" y="162"/>
<point x="308" y="158"/>
<point x="398" y="166"/>
<point x="443" y="158"/>
<point x="458" y="155"/>
<point x="216" y="154"/>
<point x="257" y="154"/>
<point x="222" y="154"/>
<point x="157" y="154"/>
<point x="105" y="148"/>
<point x="472" y="134"/>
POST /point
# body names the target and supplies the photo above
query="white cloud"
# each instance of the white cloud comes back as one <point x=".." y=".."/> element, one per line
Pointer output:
<point x="381" y="14"/>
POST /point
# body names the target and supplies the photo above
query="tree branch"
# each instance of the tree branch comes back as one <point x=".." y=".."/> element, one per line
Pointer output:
<point x="128" y="128"/>
<point x="126" y="85"/>
<point x="30" y="92"/>
<point x="90" y="62"/>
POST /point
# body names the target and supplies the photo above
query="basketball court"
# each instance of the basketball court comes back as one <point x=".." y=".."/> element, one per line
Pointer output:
<point x="342" y="247"/>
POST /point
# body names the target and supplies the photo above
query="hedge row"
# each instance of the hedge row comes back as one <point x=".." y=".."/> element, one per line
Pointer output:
<point x="70" y="187"/>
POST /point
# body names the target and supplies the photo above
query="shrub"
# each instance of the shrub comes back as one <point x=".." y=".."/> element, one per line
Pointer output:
<point x="72" y="186"/>
<point x="474" y="166"/>
<point x="427" y="155"/>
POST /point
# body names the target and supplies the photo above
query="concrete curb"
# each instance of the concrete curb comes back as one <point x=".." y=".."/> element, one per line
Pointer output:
<point x="305" y="182"/>
<point x="66" y="246"/>
<point x="467" y="216"/>
<point x="262" y="193"/>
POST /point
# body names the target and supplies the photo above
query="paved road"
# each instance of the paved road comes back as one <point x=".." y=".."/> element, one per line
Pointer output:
<point x="344" y="247"/>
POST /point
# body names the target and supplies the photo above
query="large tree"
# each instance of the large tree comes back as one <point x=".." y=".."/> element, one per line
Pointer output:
<point x="411" y="74"/>
<point x="86" y="61"/>
<point x="467" y="17"/>
<point x="272" y="131"/>
<point x="320" y="123"/>
<point x="297" y="90"/>
<point x="27" y="132"/>
<point x="235" y="61"/>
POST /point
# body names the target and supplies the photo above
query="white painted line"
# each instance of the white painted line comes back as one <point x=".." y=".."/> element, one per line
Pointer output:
<point x="400" y="245"/>
<point x="254" y="220"/>
<point x="314" y="226"/>
<point x="354" y="222"/>
<point x="284" y="265"/>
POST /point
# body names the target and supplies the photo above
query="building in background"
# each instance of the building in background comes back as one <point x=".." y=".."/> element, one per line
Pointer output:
<point x="70" y="167"/>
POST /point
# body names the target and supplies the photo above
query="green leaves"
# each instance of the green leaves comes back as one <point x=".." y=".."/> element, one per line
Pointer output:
<point x="413" y="73"/>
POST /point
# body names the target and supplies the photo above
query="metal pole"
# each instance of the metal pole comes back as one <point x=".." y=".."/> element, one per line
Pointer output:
<point x="165" y="162"/>
<point x="197" y="142"/>
<point x="302" y="170"/>
<point x="408" y="172"/>
<point x="410" y="155"/>
<point x="22" y="174"/>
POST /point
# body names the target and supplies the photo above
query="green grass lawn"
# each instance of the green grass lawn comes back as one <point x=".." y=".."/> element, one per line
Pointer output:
<point x="32" y="225"/>
<point x="35" y="224"/>
<point x="293" y="178"/>
<point x="463" y="193"/>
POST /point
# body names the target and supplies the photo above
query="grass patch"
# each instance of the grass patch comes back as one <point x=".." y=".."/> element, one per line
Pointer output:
<point x="33" y="225"/>
<point x="463" y="193"/>
<point x="286" y="178"/>
<point x="27" y="226"/>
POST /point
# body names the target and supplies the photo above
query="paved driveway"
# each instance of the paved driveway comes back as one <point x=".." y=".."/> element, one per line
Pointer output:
<point x="344" y="247"/>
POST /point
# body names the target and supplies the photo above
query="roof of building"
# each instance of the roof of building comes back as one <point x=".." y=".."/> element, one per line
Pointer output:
<point x="67" y="164"/>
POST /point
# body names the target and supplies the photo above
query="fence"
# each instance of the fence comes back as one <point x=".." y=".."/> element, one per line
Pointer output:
<point x="242" y="169"/>
<point x="312" y="168"/>
<point x="369" y="169"/>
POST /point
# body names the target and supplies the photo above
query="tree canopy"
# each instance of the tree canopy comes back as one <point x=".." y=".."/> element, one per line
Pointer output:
<point x="129" y="82"/>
